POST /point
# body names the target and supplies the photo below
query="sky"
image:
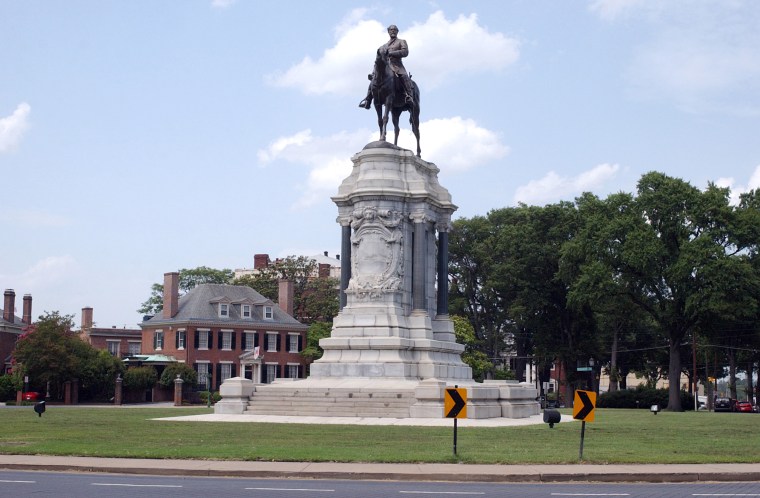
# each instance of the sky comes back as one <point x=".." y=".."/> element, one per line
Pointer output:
<point x="141" y="137"/>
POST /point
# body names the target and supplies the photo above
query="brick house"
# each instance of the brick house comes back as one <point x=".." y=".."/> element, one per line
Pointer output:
<point x="225" y="331"/>
<point x="11" y="326"/>
<point x="119" y="342"/>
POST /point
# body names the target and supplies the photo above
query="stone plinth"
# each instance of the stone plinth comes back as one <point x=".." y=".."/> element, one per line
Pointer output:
<point x="235" y="392"/>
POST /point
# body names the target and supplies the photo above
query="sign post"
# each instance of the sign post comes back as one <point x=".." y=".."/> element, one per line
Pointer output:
<point x="584" y="404"/>
<point x="455" y="406"/>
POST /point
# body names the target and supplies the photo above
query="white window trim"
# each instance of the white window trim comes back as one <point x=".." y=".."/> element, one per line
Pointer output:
<point x="293" y="346"/>
<point x="226" y="333"/>
<point x="118" y="346"/>
<point x="129" y="346"/>
<point x="161" y="346"/>
<point x="208" y="338"/>
<point x="268" y="310"/>
<point x="243" y="309"/>
<point x="183" y="347"/>
<point x="226" y="307"/>
<point x="245" y="339"/>
<point x="276" y="341"/>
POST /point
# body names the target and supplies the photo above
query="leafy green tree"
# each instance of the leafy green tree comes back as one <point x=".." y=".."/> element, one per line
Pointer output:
<point x="97" y="377"/>
<point x="674" y="251"/>
<point x="140" y="378"/>
<point x="187" y="373"/>
<point x="188" y="279"/>
<point x="478" y="361"/>
<point x="317" y="331"/>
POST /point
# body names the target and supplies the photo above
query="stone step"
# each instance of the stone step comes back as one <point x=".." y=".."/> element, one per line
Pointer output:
<point x="335" y="412"/>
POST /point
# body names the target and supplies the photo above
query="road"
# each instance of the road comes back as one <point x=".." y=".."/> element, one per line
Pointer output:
<point x="86" y="485"/>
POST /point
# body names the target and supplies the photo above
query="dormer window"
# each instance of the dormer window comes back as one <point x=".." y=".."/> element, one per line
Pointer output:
<point x="268" y="313"/>
<point x="224" y="310"/>
<point x="245" y="311"/>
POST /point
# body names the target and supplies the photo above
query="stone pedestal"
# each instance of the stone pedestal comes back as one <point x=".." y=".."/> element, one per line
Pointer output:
<point x="235" y="392"/>
<point x="392" y="349"/>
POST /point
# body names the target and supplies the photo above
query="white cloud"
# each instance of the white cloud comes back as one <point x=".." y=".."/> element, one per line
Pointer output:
<point x="700" y="54"/>
<point x="13" y="127"/>
<point x="45" y="273"/>
<point x="454" y="144"/>
<point x="222" y="4"/>
<point x="554" y="188"/>
<point x="439" y="48"/>
<point x="738" y="189"/>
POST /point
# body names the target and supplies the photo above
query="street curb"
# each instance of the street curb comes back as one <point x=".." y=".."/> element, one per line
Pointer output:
<point x="507" y="477"/>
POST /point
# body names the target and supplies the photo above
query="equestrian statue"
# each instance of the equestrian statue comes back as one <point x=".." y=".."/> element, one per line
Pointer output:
<point x="392" y="88"/>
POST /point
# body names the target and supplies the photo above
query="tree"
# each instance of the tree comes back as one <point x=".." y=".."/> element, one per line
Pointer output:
<point x="188" y="278"/>
<point x="478" y="361"/>
<point x="674" y="251"/>
<point x="187" y="373"/>
<point x="140" y="378"/>
<point x="317" y="331"/>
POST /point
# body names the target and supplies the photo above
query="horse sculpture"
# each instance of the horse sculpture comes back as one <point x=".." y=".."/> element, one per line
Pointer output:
<point x="389" y="96"/>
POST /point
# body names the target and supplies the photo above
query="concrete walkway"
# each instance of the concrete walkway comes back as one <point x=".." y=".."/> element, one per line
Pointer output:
<point x="385" y="471"/>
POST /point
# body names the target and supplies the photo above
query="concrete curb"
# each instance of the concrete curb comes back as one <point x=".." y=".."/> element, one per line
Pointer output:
<point x="395" y="472"/>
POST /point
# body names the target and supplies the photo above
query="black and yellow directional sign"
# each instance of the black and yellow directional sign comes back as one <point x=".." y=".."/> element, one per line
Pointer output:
<point x="583" y="405"/>
<point x="455" y="402"/>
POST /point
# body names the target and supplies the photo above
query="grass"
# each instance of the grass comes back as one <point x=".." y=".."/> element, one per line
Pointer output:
<point x="616" y="436"/>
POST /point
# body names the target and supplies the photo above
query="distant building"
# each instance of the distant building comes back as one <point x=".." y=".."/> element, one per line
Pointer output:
<point x="327" y="266"/>
<point x="121" y="343"/>
<point x="225" y="331"/>
<point x="11" y="326"/>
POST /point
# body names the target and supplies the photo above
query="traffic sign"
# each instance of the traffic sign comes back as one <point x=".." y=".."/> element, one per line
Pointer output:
<point x="455" y="402"/>
<point x="584" y="404"/>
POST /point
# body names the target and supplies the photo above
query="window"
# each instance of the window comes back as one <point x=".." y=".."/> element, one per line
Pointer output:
<point x="268" y="313"/>
<point x="249" y="340"/>
<point x="245" y="311"/>
<point x="203" y="339"/>
<point x="293" y="340"/>
<point x="272" y="341"/>
<point x="224" y="310"/>
<point x="181" y="339"/>
<point x="226" y="371"/>
<point x="158" y="340"/>
<point x="135" y="348"/>
<point x="271" y="372"/>
<point x="292" y="371"/>
<point x="204" y="375"/>
<point x="226" y="340"/>
<point x="113" y="347"/>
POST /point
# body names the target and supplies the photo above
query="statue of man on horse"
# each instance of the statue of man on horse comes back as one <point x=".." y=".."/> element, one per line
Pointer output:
<point x="392" y="87"/>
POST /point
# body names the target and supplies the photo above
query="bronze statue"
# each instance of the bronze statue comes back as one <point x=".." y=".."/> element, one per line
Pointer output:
<point x="393" y="88"/>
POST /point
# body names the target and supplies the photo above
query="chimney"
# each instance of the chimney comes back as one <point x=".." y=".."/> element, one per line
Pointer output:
<point x="171" y="294"/>
<point x="27" y="316"/>
<point x="260" y="261"/>
<point x="9" y="307"/>
<point x="86" y="318"/>
<point x="285" y="300"/>
<point x="324" y="270"/>
<point x="326" y="254"/>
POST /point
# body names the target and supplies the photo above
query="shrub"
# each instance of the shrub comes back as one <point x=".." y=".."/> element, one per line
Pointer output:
<point x="645" y="396"/>
<point x="185" y="372"/>
<point x="214" y="397"/>
<point x="8" y="388"/>
<point x="139" y="378"/>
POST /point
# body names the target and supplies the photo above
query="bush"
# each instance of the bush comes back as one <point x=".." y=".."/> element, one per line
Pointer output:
<point x="645" y="396"/>
<point x="8" y="388"/>
<point x="185" y="372"/>
<point x="214" y="397"/>
<point x="140" y="378"/>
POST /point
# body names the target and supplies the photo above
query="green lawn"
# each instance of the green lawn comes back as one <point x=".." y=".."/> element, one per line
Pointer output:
<point x="617" y="436"/>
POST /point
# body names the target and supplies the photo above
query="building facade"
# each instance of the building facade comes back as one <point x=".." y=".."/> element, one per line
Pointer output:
<point x="226" y="331"/>
<point x="121" y="343"/>
<point x="11" y="326"/>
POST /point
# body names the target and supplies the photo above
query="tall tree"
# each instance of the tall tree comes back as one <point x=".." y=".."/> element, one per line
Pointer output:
<point x="188" y="278"/>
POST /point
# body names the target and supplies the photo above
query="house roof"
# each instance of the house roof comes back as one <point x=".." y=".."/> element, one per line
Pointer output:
<point x="17" y="323"/>
<point x="114" y="332"/>
<point x="198" y="307"/>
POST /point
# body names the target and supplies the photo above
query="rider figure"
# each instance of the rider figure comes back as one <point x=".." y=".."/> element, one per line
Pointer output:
<point x="396" y="48"/>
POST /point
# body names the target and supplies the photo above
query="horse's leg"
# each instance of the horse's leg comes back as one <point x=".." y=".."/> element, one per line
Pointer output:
<point x="396" y="113"/>
<point x="388" y="105"/>
<point x="415" y="120"/>
<point x="379" y="110"/>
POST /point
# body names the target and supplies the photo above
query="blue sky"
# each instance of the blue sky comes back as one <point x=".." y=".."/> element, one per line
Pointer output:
<point x="146" y="136"/>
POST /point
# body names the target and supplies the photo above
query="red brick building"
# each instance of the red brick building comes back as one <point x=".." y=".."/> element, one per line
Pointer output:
<point x="119" y="342"/>
<point x="225" y="331"/>
<point x="11" y="326"/>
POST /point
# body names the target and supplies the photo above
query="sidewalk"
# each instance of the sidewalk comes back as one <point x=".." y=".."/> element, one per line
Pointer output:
<point x="386" y="471"/>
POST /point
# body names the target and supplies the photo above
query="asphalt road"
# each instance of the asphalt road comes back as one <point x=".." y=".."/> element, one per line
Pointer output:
<point x="85" y="485"/>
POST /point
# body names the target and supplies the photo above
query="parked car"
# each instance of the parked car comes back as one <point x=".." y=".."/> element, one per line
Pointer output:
<point x="31" y="396"/>
<point x="743" y="406"/>
<point x="723" y="405"/>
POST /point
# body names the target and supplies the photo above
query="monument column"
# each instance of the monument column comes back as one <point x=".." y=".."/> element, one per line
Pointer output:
<point x="442" y="303"/>
<point x="345" y="258"/>
<point x="419" y="258"/>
